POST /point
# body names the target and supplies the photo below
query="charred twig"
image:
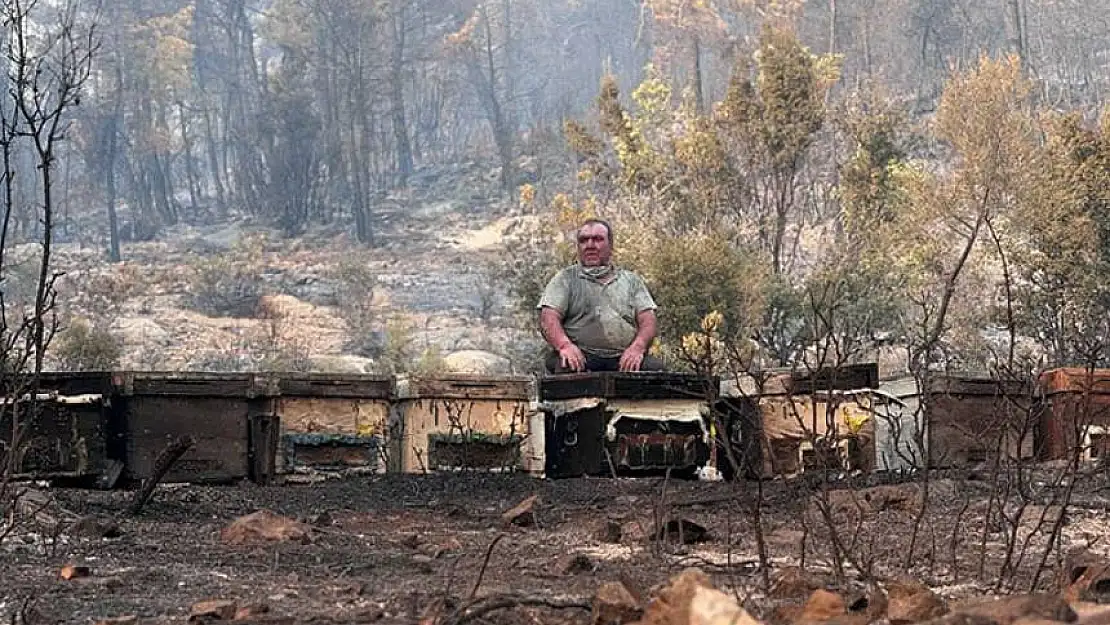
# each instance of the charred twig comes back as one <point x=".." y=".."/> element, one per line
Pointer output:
<point x="162" y="464"/>
<point x="609" y="461"/>
<point x="477" y="609"/>
<point x="485" y="563"/>
<point x="703" y="501"/>
<point x="955" y="540"/>
<point x="660" y="514"/>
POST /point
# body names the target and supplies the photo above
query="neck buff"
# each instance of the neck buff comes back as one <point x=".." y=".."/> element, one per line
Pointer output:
<point x="597" y="273"/>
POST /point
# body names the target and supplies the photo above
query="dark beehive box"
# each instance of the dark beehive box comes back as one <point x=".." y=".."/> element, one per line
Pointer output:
<point x="575" y="437"/>
<point x="65" y="437"/>
<point x="610" y="385"/>
<point x="216" y="409"/>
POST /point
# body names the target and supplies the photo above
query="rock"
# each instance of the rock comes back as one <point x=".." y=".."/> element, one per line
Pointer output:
<point x="1091" y="613"/>
<point x="523" y="514"/>
<point x="1021" y="607"/>
<point x="92" y="526"/>
<point x="823" y="605"/>
<point x="672" y="603"/>
<point x="900" y="497"/>
<point x="342" y="363"/>
<point x="129" y="619"/>
<point x="477" y="362"/>
<point x="1085" y="577"/>
<point x="74" y="571"/>
<point x="615" y="604"/>
<point x="251" y="611"/>
<point x="911" y="601"/>
<point x="713" y="607"/>
<point x="265" y="526"/>
<point x="690" y="599"/>
<point x="217" y="609"/>
<point x="574" y="564"/>
<point x="611" y="533"/>
<point x="142" y="331"/>
<point x="683" y="531"/>
<point x="794" y="583"/>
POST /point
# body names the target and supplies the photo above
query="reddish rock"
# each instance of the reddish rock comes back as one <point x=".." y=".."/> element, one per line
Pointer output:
<point x="265" y="526"/>
<point x="523" y="514"/>
<point x="911" y="601"/>
<point x="214" y="609"/>
<point x="1008" y="610"/>
<point x="74" y="571"/>
<point x="615" y="604"/>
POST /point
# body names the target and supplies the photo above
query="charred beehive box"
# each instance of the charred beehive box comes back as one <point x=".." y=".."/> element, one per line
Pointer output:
<point x="228" y="415"/>
<point x="56" y="436"/>
<point x="462" y="422"/>
<point x="625" y="423"/>
<point x="332" y="421"/>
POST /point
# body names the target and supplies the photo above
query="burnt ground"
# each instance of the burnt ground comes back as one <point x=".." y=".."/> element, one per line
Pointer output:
<point x="391" y="548"/>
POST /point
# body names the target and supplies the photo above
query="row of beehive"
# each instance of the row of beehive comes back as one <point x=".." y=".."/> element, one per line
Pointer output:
<point x="960" y="421"/>
<point x="252" y="426"/>
<point x="103" y="426"/>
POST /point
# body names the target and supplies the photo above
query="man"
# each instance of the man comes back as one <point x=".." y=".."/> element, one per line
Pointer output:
<point x="595" y="316"/>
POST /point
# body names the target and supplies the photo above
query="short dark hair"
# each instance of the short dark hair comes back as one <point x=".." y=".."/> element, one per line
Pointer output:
<point x="594" y="220"/>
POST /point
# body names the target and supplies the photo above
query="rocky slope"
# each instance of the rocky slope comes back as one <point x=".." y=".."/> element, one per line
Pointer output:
<point x="320" y="301"/>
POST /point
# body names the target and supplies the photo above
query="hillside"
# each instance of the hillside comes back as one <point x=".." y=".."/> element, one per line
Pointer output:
<point x="424" y="291"/>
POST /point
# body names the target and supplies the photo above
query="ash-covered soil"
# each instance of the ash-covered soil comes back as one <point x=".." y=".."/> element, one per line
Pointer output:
<point x="401" y="548"/>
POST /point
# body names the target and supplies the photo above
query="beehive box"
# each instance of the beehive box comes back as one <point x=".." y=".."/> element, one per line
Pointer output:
<point x="793" y="433"/>
<point x="332" y="421"/>
<point x="1075" y="415"/>
<point x="227" y="414"/>
<point x="69" y="435"/>
<point x="976" y="419"/>
<point x="57" y="437"/>
<point x="463" y="423"/>
<point x="785" y="421"/>
<point x="611" y="423"/>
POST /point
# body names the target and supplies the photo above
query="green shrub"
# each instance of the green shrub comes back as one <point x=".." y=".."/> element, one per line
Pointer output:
<point x="229" y="284"/>
<point x="86" y="347"/>
<point x="354" y="294"/>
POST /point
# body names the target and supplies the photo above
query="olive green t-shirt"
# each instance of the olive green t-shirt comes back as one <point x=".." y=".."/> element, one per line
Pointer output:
<point x="599" y="318"/>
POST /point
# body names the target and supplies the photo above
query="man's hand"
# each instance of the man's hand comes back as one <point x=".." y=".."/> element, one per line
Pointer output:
<point x="572" y="358"/>
<point x="632" y="358"/>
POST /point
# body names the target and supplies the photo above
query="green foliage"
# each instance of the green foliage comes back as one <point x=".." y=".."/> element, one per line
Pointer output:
<point x="355" y="288"/>
<point x="401" y="354"/>
<point x="697" y="274"/>
<point x="229" y="283"/>
<point x="985" y="115"/>
<point x="538" y="252"/>
<point x="791" y="98"/>
<point x="639" y="165"/>
<point x="1060" y="233"/>
<point x="86" y="347"/>
<point x="870" y="188"/>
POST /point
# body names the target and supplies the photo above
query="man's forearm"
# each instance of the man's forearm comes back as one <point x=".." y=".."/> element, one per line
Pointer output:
<point x="645" y="330"/>
<point x="551" y="326"/>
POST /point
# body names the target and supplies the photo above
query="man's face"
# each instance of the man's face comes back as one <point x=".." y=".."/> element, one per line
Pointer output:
<point x="594" y="249"/>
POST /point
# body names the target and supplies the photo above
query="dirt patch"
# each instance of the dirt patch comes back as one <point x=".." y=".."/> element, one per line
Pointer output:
<point x="392" y="548"/>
